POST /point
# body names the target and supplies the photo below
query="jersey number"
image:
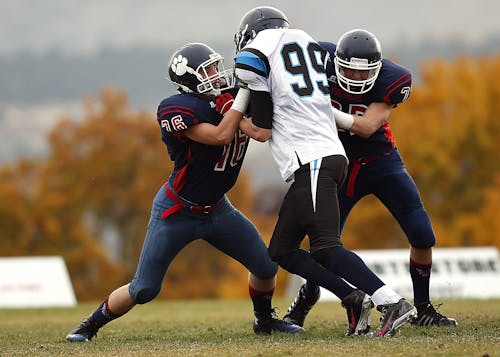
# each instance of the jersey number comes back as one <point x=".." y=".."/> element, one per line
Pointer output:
<point x="354" y="109"/>
<point x="297" y="64"/>
<point x="238" y="145"/>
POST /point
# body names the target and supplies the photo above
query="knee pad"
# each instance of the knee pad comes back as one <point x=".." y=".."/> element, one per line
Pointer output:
<point x="418" y="229"/>
<point x="265" y="271"/>
<point x="142" y="296"/>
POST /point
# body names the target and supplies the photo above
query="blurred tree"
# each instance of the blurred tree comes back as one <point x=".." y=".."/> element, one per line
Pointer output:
<point x="17" y="197"/>
<point x="103" y="172"/>
<point x="111" y="164"/>
<point x="101" y="177"/>
<point x="37" y="221"/>
<point x="448" y="134"/>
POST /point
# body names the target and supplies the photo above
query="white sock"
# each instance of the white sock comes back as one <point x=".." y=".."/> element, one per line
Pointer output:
<point x="385" y="295"/>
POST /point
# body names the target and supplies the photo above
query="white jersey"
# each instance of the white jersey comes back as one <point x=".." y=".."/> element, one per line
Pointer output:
<point x="290" y="65"/>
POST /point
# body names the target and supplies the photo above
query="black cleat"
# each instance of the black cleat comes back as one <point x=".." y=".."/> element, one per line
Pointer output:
<point x="358" y="305"/>
<point x="428" y="316"/>
<point x="266" y="323"/>
<point x="394" y="316"/>
<point x="301" y="306"/>
<point x="83" y="332"/>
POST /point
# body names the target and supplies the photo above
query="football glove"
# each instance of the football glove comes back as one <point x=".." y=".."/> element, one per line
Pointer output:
<point x="223" y="103"/>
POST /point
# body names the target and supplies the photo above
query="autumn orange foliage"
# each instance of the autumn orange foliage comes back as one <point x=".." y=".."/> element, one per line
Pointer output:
<point x="89" y="201"/>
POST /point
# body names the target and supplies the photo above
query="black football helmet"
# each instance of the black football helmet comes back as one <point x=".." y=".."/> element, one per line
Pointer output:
<point x="357" y="50"/>
<point x="188" y="70"/>
<point x="256" y="20"/>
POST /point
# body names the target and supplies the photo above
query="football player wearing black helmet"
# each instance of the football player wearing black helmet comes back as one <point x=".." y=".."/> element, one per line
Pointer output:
<point x="364" y="89"/>
<point x="284" y="70"/>
<point x="256" y="20"/>
<point x="189" y="68"/>
<point x="358" y="59"/>
<point x="202" y="138"/>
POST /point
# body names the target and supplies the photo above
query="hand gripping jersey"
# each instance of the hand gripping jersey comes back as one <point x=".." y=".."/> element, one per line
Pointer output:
<point x="202" y="173"/>
<point x="393" y="86"/>
<point x="290" y="65"/>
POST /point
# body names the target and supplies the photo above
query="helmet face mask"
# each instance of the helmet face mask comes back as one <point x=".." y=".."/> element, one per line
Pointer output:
<point x="213" y="83"/>
<point x="196" y="68"/>
<point x="256" y="20"/>
<point x="357" y="50"/>
<point x="343" y="69"/>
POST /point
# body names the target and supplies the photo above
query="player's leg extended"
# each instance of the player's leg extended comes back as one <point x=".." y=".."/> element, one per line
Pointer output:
<point x="164" y="239"/>
<point x="285" y="246"/>
<point x="294" y="217"/>
<point x="329" y="255"/>
<point x="400" y="195"/>
<point x="357" y="303"/>
<point x="232" y="233"/>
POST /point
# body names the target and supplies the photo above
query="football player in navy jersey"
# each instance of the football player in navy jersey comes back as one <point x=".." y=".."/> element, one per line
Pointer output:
<point x="362" y="80"/>
<point x="200" y="129"/>
<point x="284" y="69"/>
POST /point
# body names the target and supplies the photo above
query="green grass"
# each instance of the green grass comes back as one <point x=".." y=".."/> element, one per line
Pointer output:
<point x="223" y="328"/>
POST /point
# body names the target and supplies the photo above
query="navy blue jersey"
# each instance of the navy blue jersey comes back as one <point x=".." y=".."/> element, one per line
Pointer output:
<point x="202" y="173"/>
<point x="393" y="86"/>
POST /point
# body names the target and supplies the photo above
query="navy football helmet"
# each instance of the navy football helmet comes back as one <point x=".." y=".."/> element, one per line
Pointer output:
<point x="357" y="50"/>
<point x="256" y="20"/>
<point x="190" y="72"/>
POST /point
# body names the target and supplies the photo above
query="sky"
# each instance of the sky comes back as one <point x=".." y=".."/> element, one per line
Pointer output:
<point x="85" y="26"/>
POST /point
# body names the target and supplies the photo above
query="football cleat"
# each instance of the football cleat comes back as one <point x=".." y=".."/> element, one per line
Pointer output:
<point x="394" y="316"/>
<point x="428" y="316"/>
<point x="358" y="306"/>
<point x="301" y="306"/>
<point x="83" y="332"/>
<point x="267" y="322"/>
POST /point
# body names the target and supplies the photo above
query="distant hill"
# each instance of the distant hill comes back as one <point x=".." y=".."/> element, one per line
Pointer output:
<point x="27" y="78"/>
<point x="35" y="90"/>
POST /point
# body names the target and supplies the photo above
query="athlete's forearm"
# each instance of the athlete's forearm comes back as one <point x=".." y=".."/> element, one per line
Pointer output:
<point x="253" y="131"/>
<point x="375" y="116"/>
<point x="218" y="135"/>
<point x="229" y="124"/>
<point x="223" y="133"/>
<point x="364" y="127"/>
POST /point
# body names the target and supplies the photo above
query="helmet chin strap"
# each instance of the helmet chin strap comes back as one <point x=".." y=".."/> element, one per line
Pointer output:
<point x="182" y="88"/>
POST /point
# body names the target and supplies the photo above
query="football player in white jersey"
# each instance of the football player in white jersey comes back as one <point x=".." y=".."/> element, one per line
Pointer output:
<point x="284" y="69"/>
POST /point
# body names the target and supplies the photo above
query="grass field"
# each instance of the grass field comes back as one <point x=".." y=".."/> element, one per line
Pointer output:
<point x="223" y="328"/>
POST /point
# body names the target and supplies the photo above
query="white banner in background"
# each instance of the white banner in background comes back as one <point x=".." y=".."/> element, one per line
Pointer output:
<point x="456" y="272"/>
<point x="35" y="282"/>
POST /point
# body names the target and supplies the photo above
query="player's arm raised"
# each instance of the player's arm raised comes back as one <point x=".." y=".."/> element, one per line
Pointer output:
<point x="222" y="134"/>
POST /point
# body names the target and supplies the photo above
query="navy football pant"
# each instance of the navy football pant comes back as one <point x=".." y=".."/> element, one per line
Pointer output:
<point x="388" y="180"/>
<point x="225" y="228"/>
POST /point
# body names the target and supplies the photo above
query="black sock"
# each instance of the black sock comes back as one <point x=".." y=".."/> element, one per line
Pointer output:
<point x="301" y="262"/>
<point x="261" y="299"/>
<point x="103" y="315"/>
<point x="420" y="276"/>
